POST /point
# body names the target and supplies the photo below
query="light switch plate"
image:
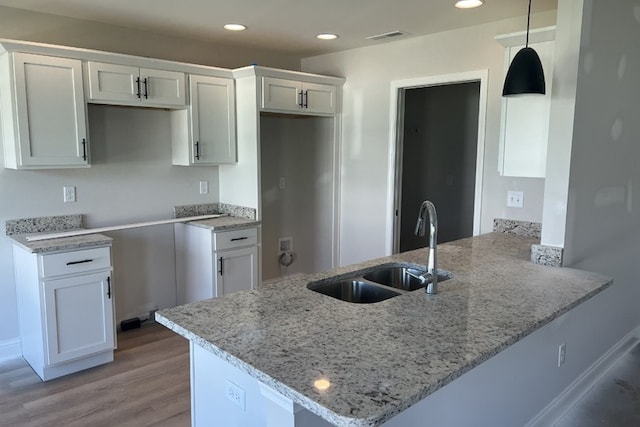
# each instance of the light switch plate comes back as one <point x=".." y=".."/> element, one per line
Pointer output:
<point x="515" y="199"/>
<point x="204" y="187"/>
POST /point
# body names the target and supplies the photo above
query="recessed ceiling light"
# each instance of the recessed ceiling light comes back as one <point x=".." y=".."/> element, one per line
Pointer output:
<point x="468" y="4"/>
<point x="235" y="27"/>
<point x="327" y="36"/>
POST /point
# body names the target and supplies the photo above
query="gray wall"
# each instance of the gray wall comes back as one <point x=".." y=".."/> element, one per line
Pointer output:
<point x="603" y="215"/>
<point x="300" y="149"/>
<point x="366" y="140"/>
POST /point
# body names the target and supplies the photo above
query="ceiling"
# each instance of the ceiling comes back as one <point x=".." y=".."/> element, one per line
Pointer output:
<point x="286" y="26"/>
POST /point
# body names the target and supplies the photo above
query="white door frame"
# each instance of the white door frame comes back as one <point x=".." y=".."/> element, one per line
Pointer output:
<point x="395" y="139"/>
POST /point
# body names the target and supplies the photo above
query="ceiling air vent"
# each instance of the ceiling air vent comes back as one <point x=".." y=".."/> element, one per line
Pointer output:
<point x="388" y="35"/>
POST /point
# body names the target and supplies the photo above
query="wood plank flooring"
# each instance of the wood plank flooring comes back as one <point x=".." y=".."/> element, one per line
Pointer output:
<point x="147" y="384"/>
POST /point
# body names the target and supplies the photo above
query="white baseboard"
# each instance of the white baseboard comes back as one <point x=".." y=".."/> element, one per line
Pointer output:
<point x="577" y="389"/>
<point x="10" y="349"/>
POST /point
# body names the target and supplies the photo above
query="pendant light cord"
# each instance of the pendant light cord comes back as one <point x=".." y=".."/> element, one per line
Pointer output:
<point x="528" y="20"/>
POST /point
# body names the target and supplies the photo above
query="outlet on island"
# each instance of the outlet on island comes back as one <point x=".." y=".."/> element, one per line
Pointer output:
<point x="235" y="393"/>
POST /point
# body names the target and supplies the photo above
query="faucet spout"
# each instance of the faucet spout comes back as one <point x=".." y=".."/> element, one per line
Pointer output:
<point x="428" y="212"/>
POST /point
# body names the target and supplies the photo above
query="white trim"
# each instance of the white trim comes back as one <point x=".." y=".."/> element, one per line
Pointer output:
<point x="10" y="349"/>
<point x="578" y="388"/>
<point x="396" y="85"/>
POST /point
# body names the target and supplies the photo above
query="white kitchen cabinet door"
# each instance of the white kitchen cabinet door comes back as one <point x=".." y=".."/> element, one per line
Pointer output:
<point x="46" y="125"/>
<point x="113" y="83"/>
<point x="163" y="88"/>
<point x="525" y="122"/>
<point x="319" y="98"/>
<point x="237" y="270"/>
<point x="298" y="97"/>
<point x="79" y="316"/>
<point x="280" y="94"/>
<point x="125" y="85"/>
<point x="213" y="120"/>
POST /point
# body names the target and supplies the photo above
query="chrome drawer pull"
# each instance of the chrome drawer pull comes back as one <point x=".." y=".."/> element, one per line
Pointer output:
<point x="79" y="262"/>
<point x="235" y="239"/>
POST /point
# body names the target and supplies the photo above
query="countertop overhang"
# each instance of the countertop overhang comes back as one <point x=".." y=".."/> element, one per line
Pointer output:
<point x="382" y="358"/>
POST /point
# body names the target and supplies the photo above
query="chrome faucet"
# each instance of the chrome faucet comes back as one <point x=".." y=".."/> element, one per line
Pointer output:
<point x="431" y="276"/>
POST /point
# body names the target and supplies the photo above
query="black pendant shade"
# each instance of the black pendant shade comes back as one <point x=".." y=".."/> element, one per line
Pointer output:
<point x="525" y="74"/>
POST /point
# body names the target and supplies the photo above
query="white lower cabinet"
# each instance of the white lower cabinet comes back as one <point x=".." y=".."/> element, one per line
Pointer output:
<point x="79" y="316"/>
<point x="65" y="308"/>
<point x="212" y="264"/>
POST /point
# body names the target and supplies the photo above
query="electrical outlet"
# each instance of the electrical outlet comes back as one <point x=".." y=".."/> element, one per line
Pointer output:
<point x="69" y="194"/>
<point x="282" y="183"/>
<point x="235" y="394"/>
<point x="204" y="187"/>
<point x="562" y="352"/>
<point x="515" y="199"/>
<point x="285" y="244"/>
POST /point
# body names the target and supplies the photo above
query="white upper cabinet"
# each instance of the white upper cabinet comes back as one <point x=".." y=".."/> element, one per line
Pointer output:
<point x="297" y="96"/>
<point x="524" y="128"/>
<point x="43" y="112"/>
<point x="205" y="133"/>
<point x="126" y="85"/>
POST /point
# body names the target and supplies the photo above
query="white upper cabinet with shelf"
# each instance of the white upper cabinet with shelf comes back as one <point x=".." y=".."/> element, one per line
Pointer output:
<point x="127" y="85"/>
<point x="524" y="128"/>
<point x="297" y="96"/>
<point x="205" y="133"/>
<point x="43" y="112"/>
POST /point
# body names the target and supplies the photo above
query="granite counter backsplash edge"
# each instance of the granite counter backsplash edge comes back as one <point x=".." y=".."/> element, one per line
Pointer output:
<point x="43" y="224"/>
<point x="185" y="211"/>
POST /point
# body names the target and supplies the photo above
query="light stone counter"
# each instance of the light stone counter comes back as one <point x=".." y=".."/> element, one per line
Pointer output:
<point x="224" y="223"/>
<point x="382" y="358"/>
<point x="62" y="243"/>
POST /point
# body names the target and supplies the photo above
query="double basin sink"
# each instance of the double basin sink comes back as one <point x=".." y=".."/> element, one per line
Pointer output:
<point x="377" y="284"/>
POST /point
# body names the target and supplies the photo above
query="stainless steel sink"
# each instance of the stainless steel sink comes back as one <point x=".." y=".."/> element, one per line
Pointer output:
<point x="355" y="291"/>
<point x="375" y="284"/>
<point x="404" y="278"/>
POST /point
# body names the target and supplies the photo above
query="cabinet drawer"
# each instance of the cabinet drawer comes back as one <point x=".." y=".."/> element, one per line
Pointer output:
<point x="76" y="261"/>
<point x="235" y="238"/>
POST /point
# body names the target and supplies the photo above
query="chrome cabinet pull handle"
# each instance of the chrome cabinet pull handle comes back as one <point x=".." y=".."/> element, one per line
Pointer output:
<point x="220" y="270"/>
<point x="235" y="239"/>
<point x="138" y="84"/>
<point x="109" y="287"/>
<point x="146" y="88"/>
<point x="197" y="150"/>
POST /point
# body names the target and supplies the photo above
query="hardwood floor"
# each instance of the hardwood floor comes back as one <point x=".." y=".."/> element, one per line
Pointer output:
<point x="147" y="384"/>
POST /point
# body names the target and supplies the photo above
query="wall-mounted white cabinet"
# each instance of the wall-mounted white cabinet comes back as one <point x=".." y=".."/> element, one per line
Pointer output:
<point x="212" y="264"/>
<point x="128" y="85"/>
<point x="525" y="118"/>
<point x="295" y="96"/>
<point x="205" y="133"/>
<point x="43" y="112"/>
<point x="65" y="309"/>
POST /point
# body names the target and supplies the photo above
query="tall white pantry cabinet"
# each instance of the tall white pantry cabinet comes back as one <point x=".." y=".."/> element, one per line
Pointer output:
<point x="65" y="309"/>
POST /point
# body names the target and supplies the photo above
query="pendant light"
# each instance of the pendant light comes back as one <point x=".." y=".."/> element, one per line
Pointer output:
<point x="525" y="74"/>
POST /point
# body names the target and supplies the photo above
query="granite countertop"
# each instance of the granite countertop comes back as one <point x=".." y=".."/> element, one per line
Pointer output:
<point x="224" y="223"/>
<point x="382" y="358"/>
<point x="62" y="243"/>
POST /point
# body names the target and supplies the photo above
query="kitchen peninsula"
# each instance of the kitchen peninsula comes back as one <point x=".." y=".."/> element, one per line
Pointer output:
<point x="288" y="356"/>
